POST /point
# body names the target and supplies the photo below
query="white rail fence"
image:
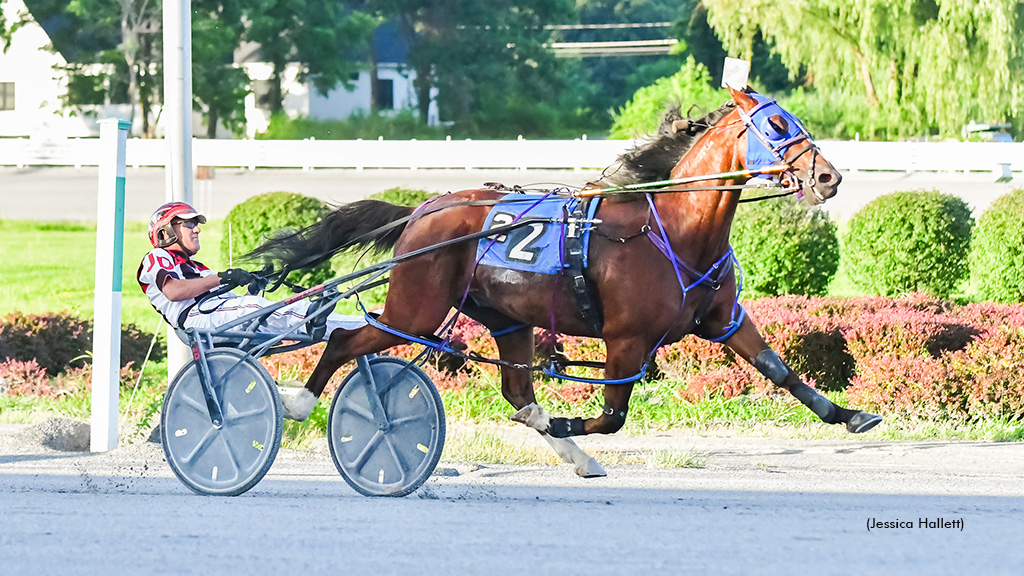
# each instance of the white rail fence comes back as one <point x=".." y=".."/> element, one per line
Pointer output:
<point x="480" y="154"/>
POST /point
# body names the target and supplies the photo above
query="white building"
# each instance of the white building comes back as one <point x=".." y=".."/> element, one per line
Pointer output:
<point x="395" y="89"/>
<point x="33" y="85"/>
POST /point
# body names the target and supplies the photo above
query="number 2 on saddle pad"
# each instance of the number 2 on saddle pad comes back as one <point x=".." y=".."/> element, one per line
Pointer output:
<point x="531" y="247"/>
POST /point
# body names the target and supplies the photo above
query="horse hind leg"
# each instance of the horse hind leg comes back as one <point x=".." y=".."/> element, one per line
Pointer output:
<point x="625" y="357"/>
<point x="517" y="387"/>
<point x="749" y="344"/>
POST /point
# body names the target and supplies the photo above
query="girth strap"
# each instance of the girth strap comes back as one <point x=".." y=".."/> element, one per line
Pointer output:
<point x="589" y="308"/>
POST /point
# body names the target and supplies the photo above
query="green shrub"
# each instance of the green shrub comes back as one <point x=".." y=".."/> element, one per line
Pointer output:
<point x="785" y="247"/>
<point x="997" y="250"/>
<point x="401" y="126"/>
<point x="253" y="221"/>
<point x="909" y="242"/>
<point x="403" y="196"/>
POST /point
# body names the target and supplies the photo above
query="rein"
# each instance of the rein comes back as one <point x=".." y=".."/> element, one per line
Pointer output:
<point x="653" y="186"/>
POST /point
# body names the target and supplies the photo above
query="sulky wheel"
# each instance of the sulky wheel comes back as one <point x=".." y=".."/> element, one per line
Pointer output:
<point x="391" y="446"/>
<point x="232" y="459"/>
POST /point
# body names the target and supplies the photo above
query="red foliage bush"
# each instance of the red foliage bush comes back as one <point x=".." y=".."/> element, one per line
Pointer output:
<point x="907" y="384"/>
<point x="919" y="328"/>
<point x="29" y="379"/>
<point x="726" y="381"/>
<point x="916" y="355"/>
<point x="989" y="372"/>
<point x="934" y="359"/>
<point x="59" y="341"/>
<point x="806" y="332"/>
<point x="19" y="378"/>
<point x="298" y="365"/>
<point x="577" y="392"/>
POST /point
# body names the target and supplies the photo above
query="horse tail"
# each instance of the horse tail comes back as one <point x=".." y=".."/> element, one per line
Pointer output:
<point x="363" y="223"/>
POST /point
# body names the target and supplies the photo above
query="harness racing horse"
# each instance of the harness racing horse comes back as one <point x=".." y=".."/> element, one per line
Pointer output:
<point x="660" y="267"/>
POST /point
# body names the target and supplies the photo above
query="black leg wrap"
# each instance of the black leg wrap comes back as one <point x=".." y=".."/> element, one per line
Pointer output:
<point x="771" y="366"/>
<point x="565" y="427"/>
<point x="616" y="417"/>
<point x="821" y="406"/>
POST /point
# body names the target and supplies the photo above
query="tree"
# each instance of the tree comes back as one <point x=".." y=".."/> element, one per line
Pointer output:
<point x="613" y="79"/>
<point x="484" y="58"/>
<point x="9" y="24"/>
<point x="766" y="68"/>
<point x="139" y="22"/>
<point x="323" y="36"/>
<point x="919" y="66"/>
<point x="690" y="86"/>
<point x="218" y="87"/>
<point x="617" y="77"/>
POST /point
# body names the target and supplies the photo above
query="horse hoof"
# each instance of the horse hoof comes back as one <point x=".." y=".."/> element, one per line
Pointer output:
<point x="862" y="422"/>
<point x="590" y="469"/>
<point x="533" y="416"/>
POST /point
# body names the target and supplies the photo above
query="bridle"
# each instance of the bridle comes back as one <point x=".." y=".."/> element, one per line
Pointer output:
<point x="785" y="146"/>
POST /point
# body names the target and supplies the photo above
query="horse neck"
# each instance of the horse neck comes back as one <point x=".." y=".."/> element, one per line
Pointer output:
<point x="704" y="218"/>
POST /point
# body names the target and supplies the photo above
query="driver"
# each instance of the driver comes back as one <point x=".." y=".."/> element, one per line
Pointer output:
<point x="173" y="282"/>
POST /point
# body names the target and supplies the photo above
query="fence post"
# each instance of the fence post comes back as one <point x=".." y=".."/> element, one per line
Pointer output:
<point x="106" y="339"/>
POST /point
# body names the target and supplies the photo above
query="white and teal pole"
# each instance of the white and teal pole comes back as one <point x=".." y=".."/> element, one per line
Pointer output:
<point x="106" y="343"/>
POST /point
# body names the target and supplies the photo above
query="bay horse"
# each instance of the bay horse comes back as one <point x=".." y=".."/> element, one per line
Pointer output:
<point x="648" y="295"/>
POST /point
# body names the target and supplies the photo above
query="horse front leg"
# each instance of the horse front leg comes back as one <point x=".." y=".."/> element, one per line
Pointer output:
<point x="517" y="388"/>
<point x="625" y="359"/>
<point x="748" y="343"/>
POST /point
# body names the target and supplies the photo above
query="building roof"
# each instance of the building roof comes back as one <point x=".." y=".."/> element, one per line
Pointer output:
<point x="390" y="44"/>
<point x="67" y="33"/>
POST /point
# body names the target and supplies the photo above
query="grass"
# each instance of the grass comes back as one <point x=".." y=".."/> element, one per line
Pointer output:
<point x="47" y="267"/>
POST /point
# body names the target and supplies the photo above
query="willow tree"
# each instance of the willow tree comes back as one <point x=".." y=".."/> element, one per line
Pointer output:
<point x="919" y="66"/>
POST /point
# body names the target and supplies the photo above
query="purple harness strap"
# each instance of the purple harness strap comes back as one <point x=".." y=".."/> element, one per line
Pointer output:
<point x="712" y="278"/>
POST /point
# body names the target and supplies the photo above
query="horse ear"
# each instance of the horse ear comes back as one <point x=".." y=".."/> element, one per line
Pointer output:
<point x="742" y="99"/>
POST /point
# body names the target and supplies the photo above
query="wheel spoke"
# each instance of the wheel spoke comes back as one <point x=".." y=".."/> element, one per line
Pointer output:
<point x="235" y="460"/>
<point x="411" y="418"/>
<point x="204" y="443"/>
<point x="239" y="416"/>
<point x="199" y="407"/>
<point x="359" y="411"/>
<point x="367" y="451"/>
<point x="403" y="469"/>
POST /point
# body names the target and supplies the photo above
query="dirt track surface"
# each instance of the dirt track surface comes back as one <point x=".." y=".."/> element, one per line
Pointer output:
<point x="764" y="506"/>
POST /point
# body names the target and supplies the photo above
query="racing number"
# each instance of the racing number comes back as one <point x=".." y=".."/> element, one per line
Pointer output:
<point x="521" y="250"/>
<point x="163" y="261"/>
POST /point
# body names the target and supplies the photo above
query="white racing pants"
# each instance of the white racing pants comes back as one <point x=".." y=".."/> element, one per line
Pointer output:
<point x="216" y="312"/>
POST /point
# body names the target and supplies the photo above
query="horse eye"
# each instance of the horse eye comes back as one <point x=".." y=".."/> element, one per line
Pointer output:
<point x="779" y="124"/>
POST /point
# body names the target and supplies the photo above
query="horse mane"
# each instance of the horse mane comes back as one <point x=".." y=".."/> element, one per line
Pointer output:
<point x="653" y="159"/>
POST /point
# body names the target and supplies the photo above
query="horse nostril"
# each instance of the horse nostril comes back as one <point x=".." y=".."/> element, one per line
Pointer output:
<point x="825" y="178"/>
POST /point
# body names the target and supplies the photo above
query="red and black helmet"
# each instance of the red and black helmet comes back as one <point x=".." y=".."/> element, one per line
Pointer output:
<point x="164" y="216"/>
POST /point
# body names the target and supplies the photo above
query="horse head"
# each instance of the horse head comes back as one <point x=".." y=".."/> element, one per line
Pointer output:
<point x="776" y="137"/>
